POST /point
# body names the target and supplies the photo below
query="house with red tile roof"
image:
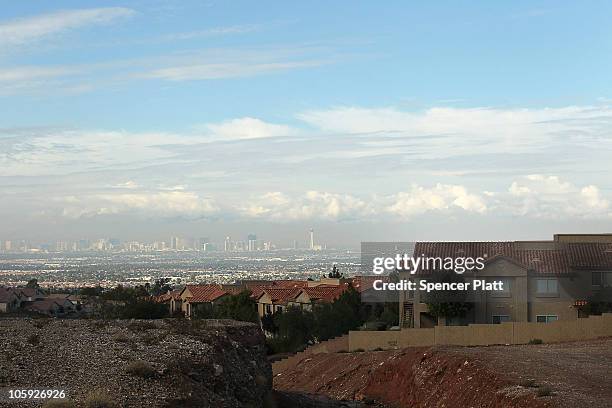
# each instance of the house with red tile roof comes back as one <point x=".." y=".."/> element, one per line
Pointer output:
<point x="542" y="281"/>
<point x="201" y="298"/>
<point x="308" y="297"/>
<point x="275" y="299"/>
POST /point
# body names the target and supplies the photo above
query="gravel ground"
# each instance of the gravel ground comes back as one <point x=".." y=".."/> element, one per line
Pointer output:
<point x="579" y="373"/>
<point x="207" y="364"/>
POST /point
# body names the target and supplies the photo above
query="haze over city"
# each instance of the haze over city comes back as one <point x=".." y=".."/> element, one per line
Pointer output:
<point x="146" y="120"/>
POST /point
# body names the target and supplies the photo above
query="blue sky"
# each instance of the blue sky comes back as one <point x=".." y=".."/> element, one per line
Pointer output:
<point x="335" y="113"/>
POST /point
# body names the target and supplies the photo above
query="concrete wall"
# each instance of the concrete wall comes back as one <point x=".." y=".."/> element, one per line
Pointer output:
<point x="485" y="334"/>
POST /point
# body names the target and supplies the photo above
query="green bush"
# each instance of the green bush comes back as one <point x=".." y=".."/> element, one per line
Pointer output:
<point x="536" y="341"/>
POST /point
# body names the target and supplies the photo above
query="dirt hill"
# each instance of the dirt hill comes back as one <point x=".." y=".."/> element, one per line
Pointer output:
<point x="530" y="376"/>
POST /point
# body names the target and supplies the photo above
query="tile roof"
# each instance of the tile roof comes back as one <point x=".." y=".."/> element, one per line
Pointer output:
<point x="204" y="293"/>
<point x="561" y="259"/>
<point x="6" y="295"/>
<point x="324" y="293"/>
<point x="280" y="295"/>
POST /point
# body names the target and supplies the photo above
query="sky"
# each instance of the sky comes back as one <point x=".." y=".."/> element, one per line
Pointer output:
<point x="366" y="121"/>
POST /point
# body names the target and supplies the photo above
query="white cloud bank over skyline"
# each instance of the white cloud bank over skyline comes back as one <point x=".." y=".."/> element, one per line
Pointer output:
<point x="341" y="165"/>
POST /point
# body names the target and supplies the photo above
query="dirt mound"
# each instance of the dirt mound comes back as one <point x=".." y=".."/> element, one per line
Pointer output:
<point x="418" y="377"/>
<point x="165" y="363"/>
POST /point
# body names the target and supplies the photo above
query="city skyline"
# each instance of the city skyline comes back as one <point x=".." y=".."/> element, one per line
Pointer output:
<point x="404" y="122"/>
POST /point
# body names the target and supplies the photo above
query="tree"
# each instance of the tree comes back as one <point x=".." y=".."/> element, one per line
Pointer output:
<point x="160" y="287"/>
<point x="295" y="327"/>
<point x="238" y="307"/>
<point x="33" y="283"/>
<point x="335" y="274"/>
<point x="447" y="304"/>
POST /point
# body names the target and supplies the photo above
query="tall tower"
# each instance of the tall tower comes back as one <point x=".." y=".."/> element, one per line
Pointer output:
<point x="312" y="242"/>
<point x="227" y="245"/>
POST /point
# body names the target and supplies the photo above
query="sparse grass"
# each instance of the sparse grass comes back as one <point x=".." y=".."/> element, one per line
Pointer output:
<point x="544" y="391"/>
<point x="34" y="339"/>
<point x="99" y="399"/>
<point x="59" y="404"/>
<point x="140" y="369"/>
<point x="528" y="383"/>
<point x="536" y="341"/>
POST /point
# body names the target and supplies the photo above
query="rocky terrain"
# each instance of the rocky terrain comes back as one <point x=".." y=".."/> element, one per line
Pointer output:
<point x="530" y="376"/>
<point x="165" y="363"/>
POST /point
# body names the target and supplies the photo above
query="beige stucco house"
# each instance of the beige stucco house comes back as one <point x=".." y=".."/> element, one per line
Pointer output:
<point x="543" y="281"/>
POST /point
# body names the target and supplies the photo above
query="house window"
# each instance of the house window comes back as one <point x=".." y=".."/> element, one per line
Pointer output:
<point x="547" y="287"/>
<point x="268" y="309"/>
<point x="546" y="318"/>
<point x="601" y="279"/>
<point x="506" y="285"/>
<point x="497" y="319"/>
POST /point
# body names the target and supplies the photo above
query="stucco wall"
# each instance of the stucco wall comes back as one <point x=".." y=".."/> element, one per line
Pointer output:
<point x="485" y="334"/>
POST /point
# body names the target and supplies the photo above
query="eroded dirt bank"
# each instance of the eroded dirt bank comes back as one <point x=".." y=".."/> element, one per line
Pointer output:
<point x="574" y="374"/>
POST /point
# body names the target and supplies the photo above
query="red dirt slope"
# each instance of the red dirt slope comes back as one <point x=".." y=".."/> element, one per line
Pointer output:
<point x="461" y="377"/>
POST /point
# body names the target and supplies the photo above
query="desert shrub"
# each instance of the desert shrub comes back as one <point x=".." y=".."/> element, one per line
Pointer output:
<point x="342" y="351"/>
<point x="139" y="326"/>
<point x="150" y="339"/>
<point x="40" y="323"/>
<point x="120" y="337"/>
<point x="34" y="339"/>
<point x="536" y="341"/>
<point x="528" y="383"/>
<point x="99" y="399"/>
<point x="140" y="369"/>
<point x="544" y="391"/>
<point x="59" y="404"/>
<point x="359" y="350"/>
<point x="378" y="349"/>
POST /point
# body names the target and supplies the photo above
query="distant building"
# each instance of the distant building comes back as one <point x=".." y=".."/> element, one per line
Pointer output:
<point x="252" y="242"/>
<point x="311" y="245"/>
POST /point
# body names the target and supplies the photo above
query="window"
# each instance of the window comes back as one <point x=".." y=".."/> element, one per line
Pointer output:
<point x="548" y="287"/>
<point x="601" y="279"/>
<point x="497" y="319"/>
<point x="546" y="318"/>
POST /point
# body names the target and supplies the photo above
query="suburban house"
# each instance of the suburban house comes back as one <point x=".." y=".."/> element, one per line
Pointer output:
<point x="172" y="299"/>
<point x="307" y="297"/>
<point x="543" y="281"/>
<point x="274" y="299"/>
<point x="49" y="307"/>
<point x="200" y="298"/>
<point x="29" y="294"/>
<point x="9" y="300"/>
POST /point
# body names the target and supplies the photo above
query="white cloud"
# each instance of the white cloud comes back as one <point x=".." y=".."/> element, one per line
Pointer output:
<point x="419" y="200"/>
<point x="25" y="30"/>
<point x="541" y="196"/>
<point x="443" y="132"/>
<point x="247" y="128"/>
<point x="222" y="70"/>
<point x="311" y="205"/>
<point x="164" y="204"/>
<point x="216" y="31"/>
